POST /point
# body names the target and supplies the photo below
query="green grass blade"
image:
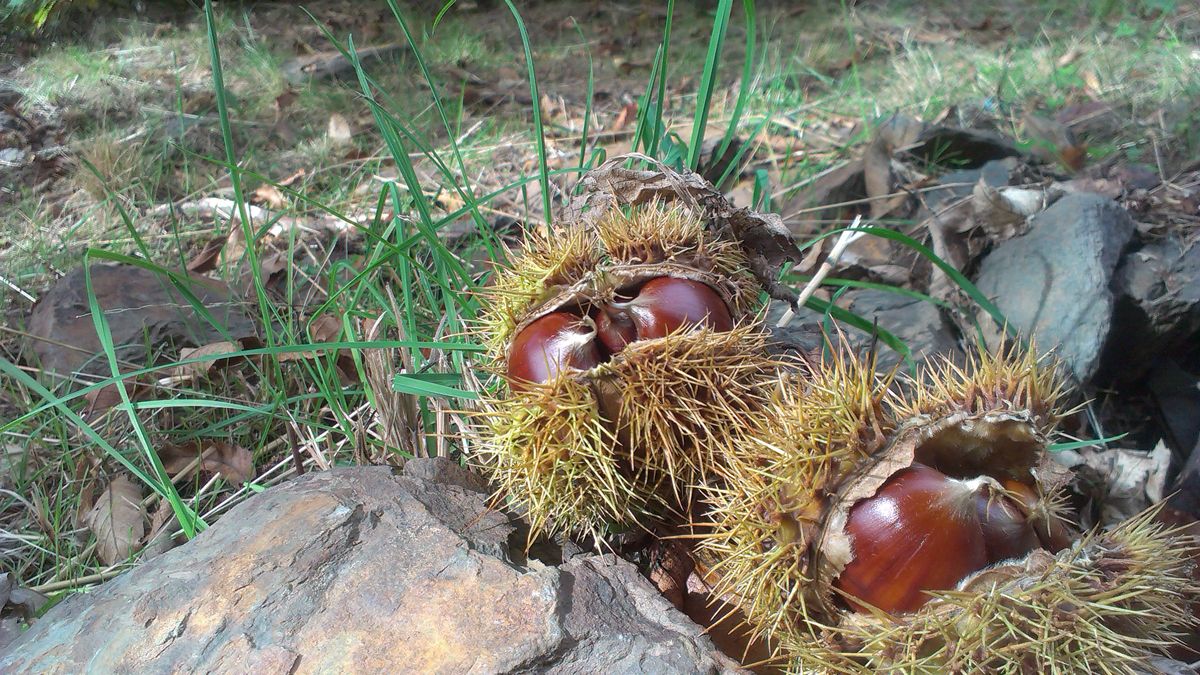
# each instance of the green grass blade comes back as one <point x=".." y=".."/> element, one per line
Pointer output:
<point x="214" y="48"/>
<point x="422" y="386"/>
<point x="539" y="134"/>
<point x="189" y="521"/>
<point x="708" y="81"/>
<point x="744" y="89"/>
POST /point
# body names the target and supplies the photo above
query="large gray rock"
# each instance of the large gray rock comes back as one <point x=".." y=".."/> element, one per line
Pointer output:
<point x="360" y="570"/>
<point x="915" y="322"/>
<point x="1053" y="283"/>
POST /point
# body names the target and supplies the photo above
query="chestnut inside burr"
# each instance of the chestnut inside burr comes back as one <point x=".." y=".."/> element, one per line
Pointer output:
<point x="583" y="337"/>
<point x="923" y="531"/>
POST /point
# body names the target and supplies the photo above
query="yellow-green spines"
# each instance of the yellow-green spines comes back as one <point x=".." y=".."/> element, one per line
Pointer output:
<point x="684" y="399"/>
<point x="773" y="541"/>
<point x="551" y="453"/>
<point x="658" y="233"/>
<point x="767" y="513"/>
<point x="1011" y="379"/>
<point x="1102" y="606"/>
<point x="544" y="263"/>
<point x="622" y="442"/>
<point x="555" y="452"/>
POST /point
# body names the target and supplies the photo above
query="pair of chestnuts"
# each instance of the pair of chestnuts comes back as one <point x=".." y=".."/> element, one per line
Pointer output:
<point x="926" y="531"/>
<point x="581" y="340"/>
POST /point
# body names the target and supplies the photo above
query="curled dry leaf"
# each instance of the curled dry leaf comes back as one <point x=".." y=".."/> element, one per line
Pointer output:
<point x="118" y="520"/>
<point x="215" y="355"/>
<point x="326" y="328"/>
<point x="206" y="259"/>
<point x="158" y="538"/>
<point x="1004" y="213"/>
<point x="232" y="462"/>
<point x="1053" y="141"/>
<point x="270" y="195"/>
<point x="1122" y="481"/>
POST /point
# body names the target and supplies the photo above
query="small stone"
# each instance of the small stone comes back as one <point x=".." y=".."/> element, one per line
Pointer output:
<point x="1054" y="283"/>
<point x="12" y="157"/>
<point x="917" y="323"/>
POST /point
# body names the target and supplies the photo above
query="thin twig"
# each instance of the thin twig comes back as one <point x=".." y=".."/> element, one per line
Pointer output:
<point x="851" y="235"/>
<point x="74" y="583"/>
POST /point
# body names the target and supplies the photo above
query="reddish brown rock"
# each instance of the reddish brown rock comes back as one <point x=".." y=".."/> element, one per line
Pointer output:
<point x="360" y="570"/>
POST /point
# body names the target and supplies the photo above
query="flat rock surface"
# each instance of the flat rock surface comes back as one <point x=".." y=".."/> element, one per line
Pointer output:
<point x="361" y="570"/>
<point x="1054" y="283"/>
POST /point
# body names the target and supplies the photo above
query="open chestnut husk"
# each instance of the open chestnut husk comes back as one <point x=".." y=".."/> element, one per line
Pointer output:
<point x="629" y="352"/>
<point x="866" y="527"/>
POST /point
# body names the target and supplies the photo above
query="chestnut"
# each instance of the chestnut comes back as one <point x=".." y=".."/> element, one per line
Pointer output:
<point x="1007" y="530"/>
<point x="550" y="344"/>
<point x="1053" y="532"/>
<point x="919" y="532"/>
<point x="660" y="307"/>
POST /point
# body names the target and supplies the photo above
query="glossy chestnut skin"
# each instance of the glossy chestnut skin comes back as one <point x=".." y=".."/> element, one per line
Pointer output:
<point x="1007" y="532"/>
<point x="918" y="532"/>
<point x="550" y="344"/>
<point x="661" y="306"/>
<point x="1053" y="533"/>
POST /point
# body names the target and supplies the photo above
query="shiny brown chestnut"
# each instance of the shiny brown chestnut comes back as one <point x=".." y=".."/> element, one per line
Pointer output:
<point x="552" y="343"/>
<point x="1007" y="532"/>
<point x="919" y="532"/>
<point x="1053" y="532"/>
<point x="660" y="307"/>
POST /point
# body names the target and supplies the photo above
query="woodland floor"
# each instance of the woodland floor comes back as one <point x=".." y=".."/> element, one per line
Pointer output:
<point x="112" y="137"/>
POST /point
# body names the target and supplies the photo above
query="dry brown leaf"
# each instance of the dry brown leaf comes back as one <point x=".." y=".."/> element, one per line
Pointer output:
<point x="273" y="263"/>
<point x="1124" y="482"/>
<point x="627" y="114"/>
<point x="1052" y="141"/>
<point x="214" y="355"/>
<point x="206" y="259"/>
<point x="232" y="462"/>
<point x="338" y="131"/>
<point x="158" y="538"/>
<point x="117" y="520"/>
<point x="450" y="201"/>
<point x="325" y="328"/>
<point x="287" y="182"/>
<point x="285" y="101"/>
<point x="270" y="195"/>
<point x="100" y="401"/>
<point x="1002" y="213"/>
